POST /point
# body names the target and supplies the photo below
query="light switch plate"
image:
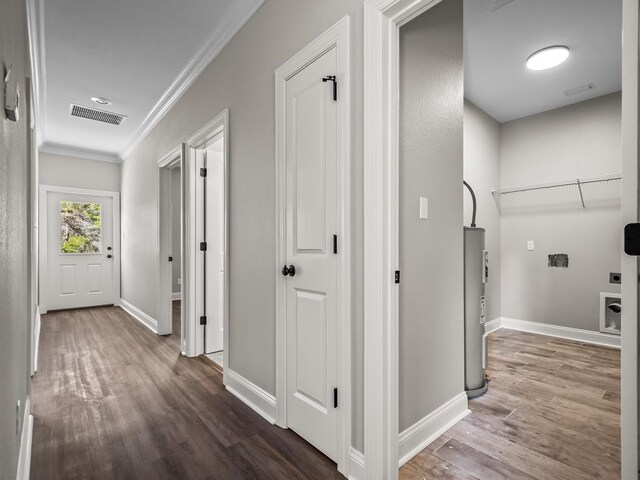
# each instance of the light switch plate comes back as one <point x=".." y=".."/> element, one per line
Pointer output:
<point x="424" y="208"/>
<point x="530" y="245"/>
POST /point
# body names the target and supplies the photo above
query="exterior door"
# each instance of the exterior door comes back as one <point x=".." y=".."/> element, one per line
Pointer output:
<point x="214" y="259"/>
<point x="80" y="254"/>
<point x="311" y="222"/>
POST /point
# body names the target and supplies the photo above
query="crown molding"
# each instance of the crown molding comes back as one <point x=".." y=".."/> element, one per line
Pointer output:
<point x="78" y="152"/>
<point x="232" y="21"/>
<point x="35" y="23"/>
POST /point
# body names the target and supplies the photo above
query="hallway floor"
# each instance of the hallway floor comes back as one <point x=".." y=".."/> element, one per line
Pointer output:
<point x="112" y="400"/>
<point x="552" y="412"/>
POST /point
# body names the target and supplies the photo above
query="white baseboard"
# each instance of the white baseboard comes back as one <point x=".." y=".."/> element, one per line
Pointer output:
<point x="24" y="458"/>
<point x="575" y="334"/>
<point x="356" y="465"/>
<point x="492" y="325"/>
<point x="261" y="401"/>
<point x="176" y="296"/>
<point x="415" y="438"/>
<point x="146" y="320"/>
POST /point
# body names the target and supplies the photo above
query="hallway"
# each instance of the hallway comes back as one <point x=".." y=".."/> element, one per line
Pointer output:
<point x="113" y="400"/>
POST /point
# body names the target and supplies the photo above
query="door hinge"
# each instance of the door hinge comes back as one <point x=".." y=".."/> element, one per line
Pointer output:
<point x="335" y="398"/>
<point x="203" y="320"/>
<point x="335" y="244"/>
<point x="203" y="172"/>
<point x="332" y="78"/>
<point x="397" y="276"/>
<point x="171" y="259"/>
<point x="203" y="246"/>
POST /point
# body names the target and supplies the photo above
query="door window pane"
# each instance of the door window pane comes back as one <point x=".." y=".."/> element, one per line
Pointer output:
<point x="80" y="227"/>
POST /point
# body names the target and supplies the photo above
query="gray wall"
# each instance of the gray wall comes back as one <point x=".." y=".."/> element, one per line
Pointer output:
<point x="176" y="205"/>
<point x="242" y="79"/>
<point x="15" y="198"/>
<point x="575" y="141"/>
<point x="66" y="171"/>
<point x="431" y="163"/>
<point x="482" y="172"/>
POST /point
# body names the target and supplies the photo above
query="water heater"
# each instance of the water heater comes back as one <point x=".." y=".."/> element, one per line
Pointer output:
<point x="476" y="270"/>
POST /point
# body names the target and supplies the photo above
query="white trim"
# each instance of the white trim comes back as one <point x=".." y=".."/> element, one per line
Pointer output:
<point x="629" y="269"/>
<point x="36" y="340"/>
<point x="43" y="233"/>
<point x="26" y="441"/>
<point x="201" y="139"/>
<point x="415" y="438"/>
<point x="492" y="325"/>
<point x="146" y="320"/>
<point x="258" y="399"/>
<point x="35" y="19"/>
<point x="338" y="36"/>
<point x="239" y="12"/>
<point x="176" y="296"/>
<point x="382" y="21"/>
<point x="78" y="152"/>
<point x="558" y="331"/>
<point x="356" y="465"/>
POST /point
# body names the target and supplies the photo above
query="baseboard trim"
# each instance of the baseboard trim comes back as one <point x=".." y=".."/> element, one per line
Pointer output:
<point x="176" y="296"/>
<point x="261" y="401"/>
<point x="146" y="320"/>
<point x="356" y="465"/>
<point x="26" y="440"/>
<point x="568" y="333"/>
<point x="492" y="325"/>
<point x="415" y="438"/>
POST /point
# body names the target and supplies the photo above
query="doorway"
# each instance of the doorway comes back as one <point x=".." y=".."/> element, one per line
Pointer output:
<point x="79" y="248"/>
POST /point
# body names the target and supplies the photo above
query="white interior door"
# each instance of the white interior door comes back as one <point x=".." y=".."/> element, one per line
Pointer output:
<point x="311" y="222"/>
<point x="80" y="256"/>
<point x="214" y="263"/>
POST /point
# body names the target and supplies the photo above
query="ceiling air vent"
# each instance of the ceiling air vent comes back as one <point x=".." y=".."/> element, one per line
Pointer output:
<point x="581" y="89"/>
<point x="97" y="115"/>
<point x="493" y="5"/>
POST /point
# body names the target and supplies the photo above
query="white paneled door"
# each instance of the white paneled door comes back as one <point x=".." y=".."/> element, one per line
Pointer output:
<point x="80" y="255"/>
<point x="311" y="270"/>
<point x="214" y="259"/>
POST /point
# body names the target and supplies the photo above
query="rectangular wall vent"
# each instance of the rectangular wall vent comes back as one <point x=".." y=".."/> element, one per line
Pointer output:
<point x="493" y="5"/>
<point x="581" y="89"/>
<point x="97" y="115"/>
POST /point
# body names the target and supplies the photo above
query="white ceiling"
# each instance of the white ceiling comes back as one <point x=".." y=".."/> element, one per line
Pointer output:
<point x="140" y="54"/>
<point x="497" y="45"/>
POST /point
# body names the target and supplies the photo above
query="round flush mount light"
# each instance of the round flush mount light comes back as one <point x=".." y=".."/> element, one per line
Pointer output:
<point x="101" y="100"/>
<point x="548" y="57"/>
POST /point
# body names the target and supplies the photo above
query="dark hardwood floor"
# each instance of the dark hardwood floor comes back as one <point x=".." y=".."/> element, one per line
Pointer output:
<point x="552" y="412"/>
<point x="111" y="400"/>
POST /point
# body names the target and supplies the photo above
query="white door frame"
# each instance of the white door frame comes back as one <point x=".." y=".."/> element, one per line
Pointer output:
<point x="629" y="330"/>
<point x="382" y="22"/>
<point x="171" y="160"/>
<point x="43" y="233"/>
<point x="191" y="224"/>
<point x="335" y="37"/>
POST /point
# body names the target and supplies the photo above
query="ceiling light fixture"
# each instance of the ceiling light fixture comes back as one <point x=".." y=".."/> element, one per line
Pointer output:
<point x="548" y="57"/>
<point x="101" y="101"/>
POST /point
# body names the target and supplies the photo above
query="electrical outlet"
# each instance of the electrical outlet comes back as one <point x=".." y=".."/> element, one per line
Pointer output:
<point x="530" y="245"/>
<point x="179" y="281"/>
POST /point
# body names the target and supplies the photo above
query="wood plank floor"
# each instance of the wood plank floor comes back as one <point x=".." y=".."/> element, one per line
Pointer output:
<point x="111" y="400"/>
<point x="552" y="412"/>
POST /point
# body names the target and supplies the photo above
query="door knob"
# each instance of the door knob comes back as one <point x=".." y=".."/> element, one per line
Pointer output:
<point x="290" y="270"/>
<point x="109" y="256"/>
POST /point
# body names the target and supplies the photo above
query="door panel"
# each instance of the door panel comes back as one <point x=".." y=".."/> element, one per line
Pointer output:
<point x="214" y="231"/>
<point x="80" y="250"/>
<point x="311" y="173"/>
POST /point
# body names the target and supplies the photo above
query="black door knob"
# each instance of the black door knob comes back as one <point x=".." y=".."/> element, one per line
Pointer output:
<point x="290" y="270"/>
<point x="108" y="248"/>
<point x="109" y="256"/>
